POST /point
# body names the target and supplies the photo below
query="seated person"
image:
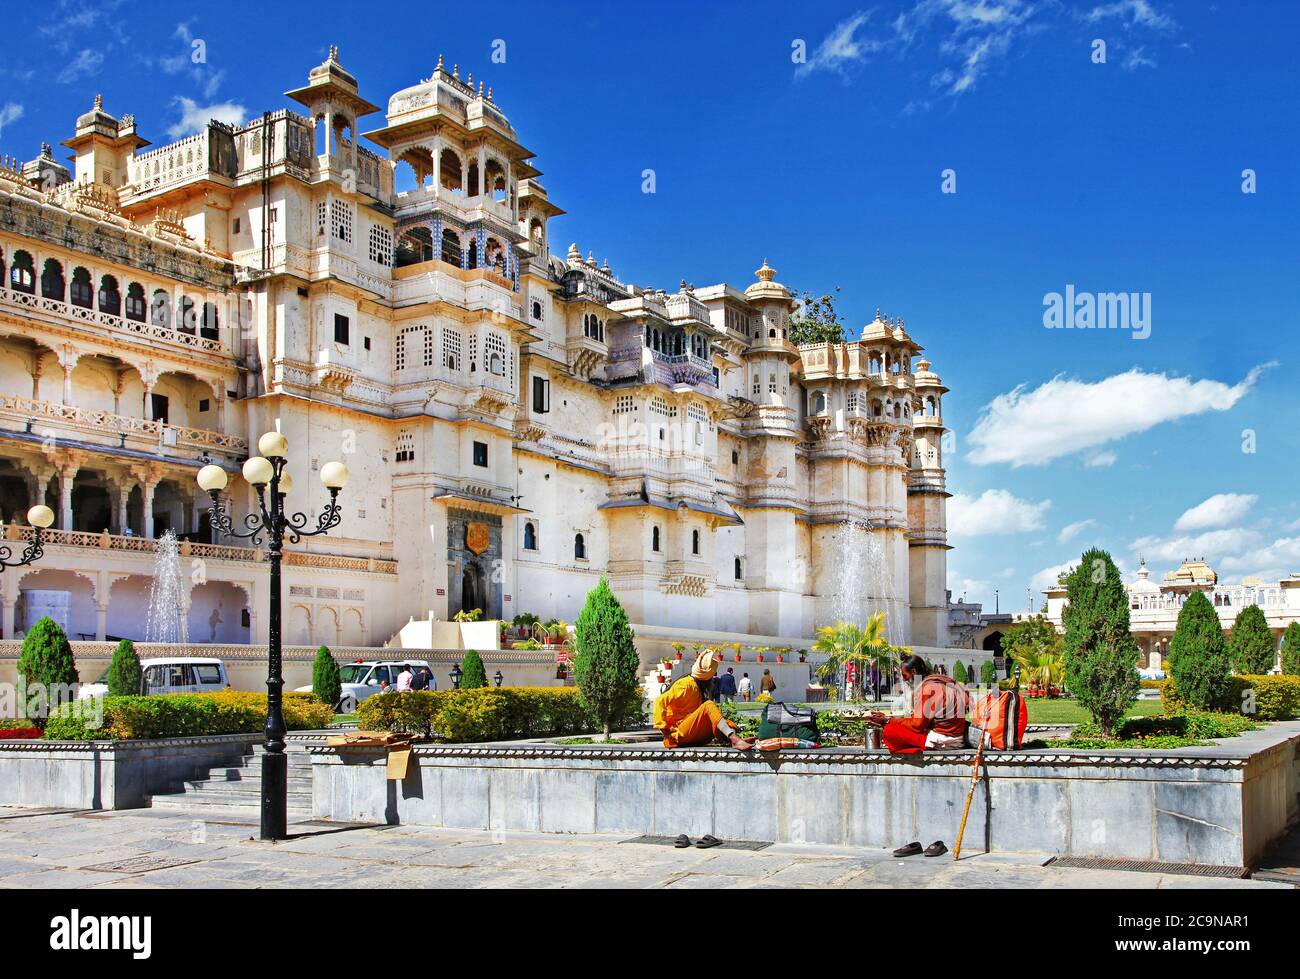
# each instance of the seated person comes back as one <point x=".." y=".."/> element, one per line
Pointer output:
<point x="685" y="714"/>
<point x="935" y="712"/>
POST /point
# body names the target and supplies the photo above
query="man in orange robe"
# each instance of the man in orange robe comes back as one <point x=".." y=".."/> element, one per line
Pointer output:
<point x="938" y="716"/>
<point x="686" y="716"/>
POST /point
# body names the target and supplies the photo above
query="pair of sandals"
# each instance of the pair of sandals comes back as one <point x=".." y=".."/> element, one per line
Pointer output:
<point x="706" y="841"/>
<point x="935" y="849"/>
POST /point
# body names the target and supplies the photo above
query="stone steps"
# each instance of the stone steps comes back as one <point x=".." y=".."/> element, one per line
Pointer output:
<point x="237" y="789"/>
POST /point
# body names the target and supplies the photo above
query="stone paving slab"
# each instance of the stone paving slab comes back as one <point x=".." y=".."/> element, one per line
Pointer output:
<point x="51" y="850"/>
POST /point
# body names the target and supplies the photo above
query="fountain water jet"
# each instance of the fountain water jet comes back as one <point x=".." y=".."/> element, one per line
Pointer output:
<point x="864" y="582"/>
<point x="166" y="621"/>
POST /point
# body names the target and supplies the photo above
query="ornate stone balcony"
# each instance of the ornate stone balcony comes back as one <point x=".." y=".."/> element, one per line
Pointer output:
<point x="142" y="332"/>
<point x="94" y="422"/>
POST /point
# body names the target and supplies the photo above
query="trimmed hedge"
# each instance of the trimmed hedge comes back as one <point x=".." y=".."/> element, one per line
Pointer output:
<point x="488" y="714"/>
<point x="1262" y="698"/>
<point x="183" y="715"/>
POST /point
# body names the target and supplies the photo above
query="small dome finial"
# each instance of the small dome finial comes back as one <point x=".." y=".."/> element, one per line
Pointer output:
<point x="766" y="273"/>
<point x="99" y="101"/>
<point x="439" y="67"/>
<point x="480" y="88"/>
<point x="334" y="53"/>
<point x="455" y="72"/>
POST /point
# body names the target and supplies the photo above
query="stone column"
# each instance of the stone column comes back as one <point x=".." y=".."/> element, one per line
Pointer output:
<point x="101" y="626"/>
<point x="66" y="476"/>
<point x="146" y="492"/>
<point x="148" y="401"/>
<point x="10" y="602"/>
<point x="67" y="383"/>
<point x="435" y="149"/>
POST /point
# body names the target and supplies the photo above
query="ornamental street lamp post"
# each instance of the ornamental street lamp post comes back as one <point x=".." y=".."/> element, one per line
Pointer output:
<point x="41" y="518"/>
<point x="455" y="676"/>
<point x="263" y="471"/>
<point x="499" y="678"/>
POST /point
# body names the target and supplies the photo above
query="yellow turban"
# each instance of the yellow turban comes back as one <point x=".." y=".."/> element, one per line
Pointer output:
<point x="705" y="666"/>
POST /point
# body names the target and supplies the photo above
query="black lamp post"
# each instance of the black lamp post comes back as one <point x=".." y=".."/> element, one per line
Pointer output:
<point x="498" y="678"/>
<point x="271" y="520"/>
<point x="455" y="676"/>
<point x="40" y="517"/>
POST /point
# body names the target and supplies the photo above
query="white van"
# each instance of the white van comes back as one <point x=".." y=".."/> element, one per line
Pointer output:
<point x="175" y="674"/>
<point x="363" y="679"/>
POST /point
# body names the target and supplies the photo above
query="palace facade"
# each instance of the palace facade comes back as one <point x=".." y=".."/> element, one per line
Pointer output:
<point x="518" y="420"/>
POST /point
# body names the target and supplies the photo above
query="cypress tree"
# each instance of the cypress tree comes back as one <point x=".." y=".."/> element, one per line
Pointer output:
<point x="473" y="674"/>
<point x="959" y="672"/>
<point x="46" y="661"/>
<point x="1198" y="655"/>
<point x="1100" y="653"/>
<point x="326" y="683"/>
<point x="1250" y="647"/>
<point x="124" y="671"/>
<point x="1291" y="650"/>
<point x="988" y="673"/>
<point x="605" y="660"/>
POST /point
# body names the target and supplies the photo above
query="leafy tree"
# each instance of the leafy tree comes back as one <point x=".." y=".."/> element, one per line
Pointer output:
<point x="959" y="672"/>
<point x="1250" y="647"/>
<point x="46" y="658"/>
<point x="1032" y="638"/>
<point x="844" y="643"/>
<point x="1291" y="649"/>
<point x="325" y="681"/>
<point x="815" y="321"/>
<point x="473" y="674"/>
<point x="124" y="671"/>
<point x="1100" y="653"/>
<point x="605" y="661"/>
<point x="1198" y="655"/>
<point x="988" y="673"/>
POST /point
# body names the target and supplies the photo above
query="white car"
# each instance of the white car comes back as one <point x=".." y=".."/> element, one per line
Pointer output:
<point x="177" y="674"/>
<point x="365" y="679"/>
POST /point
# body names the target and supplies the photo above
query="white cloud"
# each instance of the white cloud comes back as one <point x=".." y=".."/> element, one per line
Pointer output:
<point x="1271" y="562"/>
<point x="1048" y="577"/>
<point x="10" y="112"/>
<point x="841" y="49"/>
<point x="995" y="511"/>
<point x="1028" y="427"/>
<point x="194" y="116"/>
<point x="1213" y="545"/>
<point x="1138" y="58"/>
<point x="1073" y="530"/>
<point x="1134" y="13"/>
<point x="1100" y="460"/>
<point x="1219" y="510"/>
<point x="85" y="64"/>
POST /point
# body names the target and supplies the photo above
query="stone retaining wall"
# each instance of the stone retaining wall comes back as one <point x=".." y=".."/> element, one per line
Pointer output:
<point x="1219" y="805"/>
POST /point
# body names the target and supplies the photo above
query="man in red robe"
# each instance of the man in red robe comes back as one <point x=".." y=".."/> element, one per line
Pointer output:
<point x="938" y="712"/>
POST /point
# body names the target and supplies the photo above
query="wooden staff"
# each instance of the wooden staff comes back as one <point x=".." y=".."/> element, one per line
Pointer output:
<point x="974" y="780"/>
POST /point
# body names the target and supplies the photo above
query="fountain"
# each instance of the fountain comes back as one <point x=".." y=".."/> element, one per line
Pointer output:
<point x="864" y="583"/>
<point x="166" y="622"/>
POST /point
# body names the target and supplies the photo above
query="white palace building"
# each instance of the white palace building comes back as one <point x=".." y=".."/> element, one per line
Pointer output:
<point x="517" y="420"/>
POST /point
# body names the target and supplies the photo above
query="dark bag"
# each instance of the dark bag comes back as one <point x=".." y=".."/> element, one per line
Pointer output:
<point x="782" y="721"/>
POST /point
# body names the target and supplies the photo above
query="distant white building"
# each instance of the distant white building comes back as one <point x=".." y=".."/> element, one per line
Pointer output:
<point x="1154" y="608"/>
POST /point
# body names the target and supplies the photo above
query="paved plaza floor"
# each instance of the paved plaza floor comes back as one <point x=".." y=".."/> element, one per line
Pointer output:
<point x="147" y="848"/>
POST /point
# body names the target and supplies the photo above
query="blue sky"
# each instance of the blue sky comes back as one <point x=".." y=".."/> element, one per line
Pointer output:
<point x="1122" y="176"/>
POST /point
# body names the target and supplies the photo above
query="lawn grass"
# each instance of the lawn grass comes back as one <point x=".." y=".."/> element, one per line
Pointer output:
<point x="1068" y="711"/>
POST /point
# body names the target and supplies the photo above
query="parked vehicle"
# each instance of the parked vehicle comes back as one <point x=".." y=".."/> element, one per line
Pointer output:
<point x="362" y="679"/>
<point x="175" y="674"/>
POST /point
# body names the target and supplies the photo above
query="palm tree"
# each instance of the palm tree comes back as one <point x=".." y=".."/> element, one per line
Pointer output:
<point x="1044" y="668"/>
<point x="845" y="642"/>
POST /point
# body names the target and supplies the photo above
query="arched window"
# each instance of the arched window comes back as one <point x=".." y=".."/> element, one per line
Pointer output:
<point x="22" y="274"/>
<point x="82" y="292"/>
<point x="530" y="536"/>
<point x="52" y="280"/>
<point x="654" y="539"/>
<point x="819" y="403"/>
<point x="110" y="300"/>
<point x="451" y="252"/>
<point x="579" y="547"/>
<point x="740" y="574"/>
<point x="537" y="310"/>
<point x="473" y="253"/>
<point x="160" y="313"/>
<point x="449" y="171"/>
<point x="185" y="318"/>
<point x="695" y="542"/>
<point x="495" y="364"/>
<point x="135" y="304"/>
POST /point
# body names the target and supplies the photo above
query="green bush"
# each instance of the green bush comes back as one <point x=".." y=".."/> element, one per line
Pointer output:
<point x="325" y="681"/>
<point x="988" y="673"/>
<point x="473" y="672"/>
<point x="1198" y="655"/>
<point x="1261" y="698"/>
<point x="180" y="715"/>
<point x="124" y="670"/>
<point x="1250" y="647"/>
<point x="486" y="714"/>
<point x="1100" y="652"/>
<point x="46" y="658"/>
<point x="959" y="672"/>
<point x="605" y="661"/>
<point x="1291" y="650"/>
